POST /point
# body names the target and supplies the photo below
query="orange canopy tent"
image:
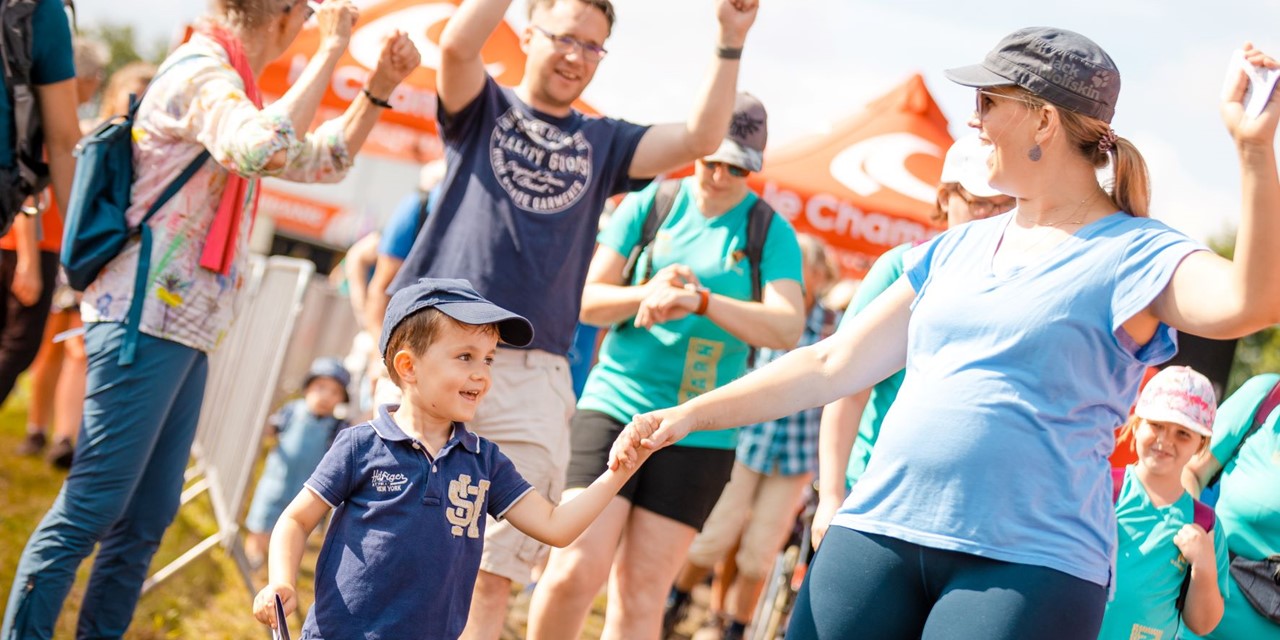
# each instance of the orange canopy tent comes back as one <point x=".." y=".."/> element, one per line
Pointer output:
<point x="871" y="183"/>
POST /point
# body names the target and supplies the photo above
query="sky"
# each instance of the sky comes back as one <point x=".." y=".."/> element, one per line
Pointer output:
<point x="816" y="62"/>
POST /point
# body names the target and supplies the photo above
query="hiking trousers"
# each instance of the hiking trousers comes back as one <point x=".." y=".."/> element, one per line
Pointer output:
<point x="122" y="492"/>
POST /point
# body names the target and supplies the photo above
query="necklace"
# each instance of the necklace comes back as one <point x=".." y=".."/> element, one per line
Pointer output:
<point x="1028" y="251"/>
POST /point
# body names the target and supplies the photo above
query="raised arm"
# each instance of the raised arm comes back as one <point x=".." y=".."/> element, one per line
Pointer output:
<point x="1218" y="298"/>
<point x="326" y="154"/>
<point x="461" y="74"/>
<point x="873" y="347"/>
<point x="670" y="146"/>
<point x="335" y="20"/>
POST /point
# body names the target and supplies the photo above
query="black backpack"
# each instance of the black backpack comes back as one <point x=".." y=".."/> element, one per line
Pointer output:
<point x="29" y="175"/>
<point x="758" y="220"/>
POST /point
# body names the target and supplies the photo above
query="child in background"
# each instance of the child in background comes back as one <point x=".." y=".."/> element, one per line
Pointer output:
<point x="412" y="487"/>
<point x="1160" y="535"/>
<point x="305" y="428"/>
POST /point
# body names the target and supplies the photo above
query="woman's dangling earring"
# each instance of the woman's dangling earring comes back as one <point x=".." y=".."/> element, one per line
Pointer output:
<point x="1035" y="153"/>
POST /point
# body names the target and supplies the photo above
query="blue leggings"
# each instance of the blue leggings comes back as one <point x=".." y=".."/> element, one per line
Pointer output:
<point x="870" y="587"/>
<point x="122" y="492"/>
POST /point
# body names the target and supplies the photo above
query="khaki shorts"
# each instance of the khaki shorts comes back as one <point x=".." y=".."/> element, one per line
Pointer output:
<point x="760" y="509"/>
<point x="526" y="413"/>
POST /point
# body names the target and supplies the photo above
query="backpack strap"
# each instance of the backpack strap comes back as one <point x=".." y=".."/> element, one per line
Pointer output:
<point x="758" y="220"/>
<point x="658" y="211"/>
<point x="1117" y="483"/>
<point x="424" y="208"/>
<point x="129" y="345"/>
<point x="1268" y="405"/>
<point x="1202" y="514"/>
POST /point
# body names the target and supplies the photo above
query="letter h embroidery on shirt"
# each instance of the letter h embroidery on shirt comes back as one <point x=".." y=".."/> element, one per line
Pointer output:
<point x="465" y="512"/>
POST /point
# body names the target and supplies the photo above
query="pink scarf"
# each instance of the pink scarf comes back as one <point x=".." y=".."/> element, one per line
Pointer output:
<point x="220" y="245"/>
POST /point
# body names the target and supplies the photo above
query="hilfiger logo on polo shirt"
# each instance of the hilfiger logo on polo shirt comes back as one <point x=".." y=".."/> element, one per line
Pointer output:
<point x="465" y="513"/>
<point x="387" y="482"/>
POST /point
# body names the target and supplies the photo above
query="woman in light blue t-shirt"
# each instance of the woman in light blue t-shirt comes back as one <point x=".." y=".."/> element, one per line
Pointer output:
<point x="986" y="510"/>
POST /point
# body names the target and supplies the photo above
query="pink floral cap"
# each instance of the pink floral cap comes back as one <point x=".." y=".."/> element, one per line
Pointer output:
<point x="1180" y="395"/>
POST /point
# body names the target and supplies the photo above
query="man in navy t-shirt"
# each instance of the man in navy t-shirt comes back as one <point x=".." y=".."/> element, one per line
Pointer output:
<point x="527" y="178"/>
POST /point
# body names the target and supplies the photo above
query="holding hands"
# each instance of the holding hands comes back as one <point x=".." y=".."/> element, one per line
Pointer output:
<point x="647" y="433"/>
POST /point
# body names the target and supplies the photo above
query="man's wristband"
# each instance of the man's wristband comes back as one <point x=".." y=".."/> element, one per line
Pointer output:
<point x="729" y="53"/>
<point x="379" y="102"/>
<point x="704" y="298"/>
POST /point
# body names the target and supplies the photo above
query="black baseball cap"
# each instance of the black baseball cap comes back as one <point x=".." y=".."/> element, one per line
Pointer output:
<point x="458" y="300"/>
<point x="1063" y="67"/>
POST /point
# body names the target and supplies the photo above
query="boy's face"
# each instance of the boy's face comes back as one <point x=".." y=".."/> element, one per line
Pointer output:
<point x="448" y="380"/>
<point x="323" y="396"/>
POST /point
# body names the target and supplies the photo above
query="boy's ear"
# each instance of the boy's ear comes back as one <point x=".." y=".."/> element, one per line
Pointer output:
<point x="402" y="361"/>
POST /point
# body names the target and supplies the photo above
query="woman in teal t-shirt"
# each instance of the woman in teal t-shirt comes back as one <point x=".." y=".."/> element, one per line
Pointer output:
<point x="684" y="331"/>
<point x="1159" y="536"/>
<point x="1249" y="504"/>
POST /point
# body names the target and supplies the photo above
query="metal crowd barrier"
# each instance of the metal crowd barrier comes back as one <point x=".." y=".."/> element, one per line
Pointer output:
<point x="244" y="373"/>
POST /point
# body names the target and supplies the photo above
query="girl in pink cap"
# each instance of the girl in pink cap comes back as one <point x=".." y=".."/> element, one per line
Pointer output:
<point x="1171" y="558"/>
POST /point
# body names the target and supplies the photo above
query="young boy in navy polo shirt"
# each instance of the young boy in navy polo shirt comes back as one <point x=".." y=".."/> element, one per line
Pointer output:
<point x="411" y="488"/>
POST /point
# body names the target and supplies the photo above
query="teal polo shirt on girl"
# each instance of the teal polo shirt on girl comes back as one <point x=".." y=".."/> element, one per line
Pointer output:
<point x="1149" y="567"/>
<point x="641" y="370"/>
<point x="998" y="441"/>
<point x="403" y="549"/>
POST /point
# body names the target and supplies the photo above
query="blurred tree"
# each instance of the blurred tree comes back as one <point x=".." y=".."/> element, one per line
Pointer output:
<point x="1257" y="353"/>
<point x="122" y="42"/>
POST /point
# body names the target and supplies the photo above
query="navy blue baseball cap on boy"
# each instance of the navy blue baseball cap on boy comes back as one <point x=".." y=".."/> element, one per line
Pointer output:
<point x="458" y="300"/>
<point x="1061" y="66"/>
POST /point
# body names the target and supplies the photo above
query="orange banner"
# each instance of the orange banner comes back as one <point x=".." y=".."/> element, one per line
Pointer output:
<point x="871" y="183"/>
<point x="297" y="216"/>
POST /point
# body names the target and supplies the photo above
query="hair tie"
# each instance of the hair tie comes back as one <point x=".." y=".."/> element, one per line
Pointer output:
<point x="1108" y="141"/>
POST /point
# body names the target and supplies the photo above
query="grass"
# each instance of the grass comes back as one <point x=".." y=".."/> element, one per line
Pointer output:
<point x="206" y="599"/>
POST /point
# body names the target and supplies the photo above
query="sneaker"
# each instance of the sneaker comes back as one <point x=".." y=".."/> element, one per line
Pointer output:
<point x="676" y="609"/>
<point x="712" y="629"/>
<point x="33" y="444"/>
<point x="734" y="631"/>
<point x="61" y="452"/>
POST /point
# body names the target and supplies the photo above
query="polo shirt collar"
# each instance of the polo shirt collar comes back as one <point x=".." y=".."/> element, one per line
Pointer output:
<point x="387" y="429"/>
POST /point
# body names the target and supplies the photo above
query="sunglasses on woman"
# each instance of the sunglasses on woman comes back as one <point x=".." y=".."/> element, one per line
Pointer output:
<point x="735" y="171"/>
